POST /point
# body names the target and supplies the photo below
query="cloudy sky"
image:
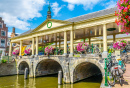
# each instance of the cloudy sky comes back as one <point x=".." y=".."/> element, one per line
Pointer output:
<point x="28" y="14"/>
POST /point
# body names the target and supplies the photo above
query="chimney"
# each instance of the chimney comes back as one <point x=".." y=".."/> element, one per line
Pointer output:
<point x="0" y="18"/>
<point x="13" y="31"/>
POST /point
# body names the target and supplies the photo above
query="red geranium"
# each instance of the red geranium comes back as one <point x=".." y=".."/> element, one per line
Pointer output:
<point x="123" y="15"/>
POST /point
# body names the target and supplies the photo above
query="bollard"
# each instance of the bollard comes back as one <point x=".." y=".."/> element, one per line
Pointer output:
<point x="26" y="73"/>
<point x="60" y="77"/>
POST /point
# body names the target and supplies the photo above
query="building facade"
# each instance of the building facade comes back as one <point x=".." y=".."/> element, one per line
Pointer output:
<point x="3" y="36"/>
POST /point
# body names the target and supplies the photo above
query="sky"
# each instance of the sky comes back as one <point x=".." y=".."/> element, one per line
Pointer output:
<point x="28" y="14"/>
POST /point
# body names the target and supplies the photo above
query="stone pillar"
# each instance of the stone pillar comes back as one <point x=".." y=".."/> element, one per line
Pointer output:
<point x="10" y="49"/>
<point x="104" y="41"/>
<point x="71" y="42"/>
<point x="37" y="45"/>
<point x="33" y="41"/>
<point x="65" y="42"/>
<point x="20" y="53"/>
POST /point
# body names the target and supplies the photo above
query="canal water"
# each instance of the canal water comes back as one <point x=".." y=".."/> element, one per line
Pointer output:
<point x="18" y="81"/>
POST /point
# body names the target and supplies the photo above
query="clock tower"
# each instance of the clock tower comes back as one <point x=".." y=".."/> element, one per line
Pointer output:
<point x="49" y="12"/>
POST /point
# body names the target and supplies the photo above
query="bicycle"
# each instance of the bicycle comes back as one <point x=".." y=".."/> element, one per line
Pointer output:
<point x="115" y="72"/>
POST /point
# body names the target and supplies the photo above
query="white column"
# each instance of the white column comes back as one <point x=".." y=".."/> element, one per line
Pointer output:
<point x="71" y="42"/>
<point x="104" y="38"/>
<point x="56" y="40"/>
<point x="37" y="45"/>
<point x="33" y="40"/>
<point x="65" y="42"/>
<point x="119" y="28"/>
<point x="21" y="44"/>
<point x="10" y="49"/>
<point x="104" y="41"/>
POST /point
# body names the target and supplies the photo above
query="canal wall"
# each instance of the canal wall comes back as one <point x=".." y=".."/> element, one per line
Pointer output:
<point x="8" y="69"/>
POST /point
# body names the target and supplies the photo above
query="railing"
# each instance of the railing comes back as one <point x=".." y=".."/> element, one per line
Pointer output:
<point x="6" y="59"/>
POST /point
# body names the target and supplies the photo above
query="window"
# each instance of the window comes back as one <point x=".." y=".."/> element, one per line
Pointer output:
<point x="3" y="42"/>
<point x="2" y="33"/>
<point x="0" y="25"/>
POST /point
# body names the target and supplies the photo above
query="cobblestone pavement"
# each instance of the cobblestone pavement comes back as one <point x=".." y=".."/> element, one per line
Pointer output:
<point x="126" y="80"/>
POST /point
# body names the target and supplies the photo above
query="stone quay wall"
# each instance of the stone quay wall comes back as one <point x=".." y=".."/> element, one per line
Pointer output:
<point x="7" y="69"/>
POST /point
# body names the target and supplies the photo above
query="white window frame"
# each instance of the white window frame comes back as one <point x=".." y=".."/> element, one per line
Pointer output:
<point x="4" y="31"/>
<point x="4" y="43"/>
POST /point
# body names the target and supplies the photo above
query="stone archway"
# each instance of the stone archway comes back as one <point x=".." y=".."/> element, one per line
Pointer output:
<point x="85" y="70"/>
<point x="21" y="67"/>
<point x="82" y="68"/>
<point x="47" y="67"/>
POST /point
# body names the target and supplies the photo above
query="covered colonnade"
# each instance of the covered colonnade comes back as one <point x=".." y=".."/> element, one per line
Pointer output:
<point x="91" y="28"/>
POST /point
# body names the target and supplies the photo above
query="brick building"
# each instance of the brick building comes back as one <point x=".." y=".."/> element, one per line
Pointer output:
<point x="3" y="36"/>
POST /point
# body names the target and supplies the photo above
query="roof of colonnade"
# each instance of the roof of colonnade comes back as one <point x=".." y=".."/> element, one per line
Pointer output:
<point x="87" y="20"/>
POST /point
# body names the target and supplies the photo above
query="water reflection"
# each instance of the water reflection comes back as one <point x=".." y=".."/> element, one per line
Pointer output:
<point x="18" y="81"/>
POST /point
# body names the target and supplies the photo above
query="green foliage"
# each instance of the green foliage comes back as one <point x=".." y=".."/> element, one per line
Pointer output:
<point x="3" y="61"/>
<point x="47" y="44"/>
<point x="40" y="48"/>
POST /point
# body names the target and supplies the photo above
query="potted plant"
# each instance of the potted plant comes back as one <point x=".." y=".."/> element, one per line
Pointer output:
<point x="15" y="52"/>
<point x="48" y="50"/>
<point x="40" y="49"/>
<point x="81" y="47"/>
<point x="27" y="51"/>
<point x="119" y="45"/>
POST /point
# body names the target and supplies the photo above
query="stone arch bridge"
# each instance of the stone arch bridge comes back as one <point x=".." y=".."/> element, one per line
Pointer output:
<point x="74" y="68"/>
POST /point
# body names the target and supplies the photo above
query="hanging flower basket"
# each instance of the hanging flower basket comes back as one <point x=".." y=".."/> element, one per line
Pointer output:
<point x="48" y="50"/>
<point x="27" y="51"/>
<point x="81" y="47"/>
<point x="118" y="45"/>
<point x="123" y="15"/>
<point x="15" y="51"/>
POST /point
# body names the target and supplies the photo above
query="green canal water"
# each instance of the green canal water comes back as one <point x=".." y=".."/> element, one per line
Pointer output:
<point x="18" y="81"/>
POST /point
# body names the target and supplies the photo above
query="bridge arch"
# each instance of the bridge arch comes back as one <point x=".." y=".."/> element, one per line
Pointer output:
<point x="47" y="67"/>
<point x="21" y="67"/>
<point x="85" y="68"/>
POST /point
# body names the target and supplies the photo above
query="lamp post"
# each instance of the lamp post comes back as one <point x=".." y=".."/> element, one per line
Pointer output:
<point x="106" y="84"/>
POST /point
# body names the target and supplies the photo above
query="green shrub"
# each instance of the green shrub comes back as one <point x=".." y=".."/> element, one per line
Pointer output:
<point x="4" y="61"/>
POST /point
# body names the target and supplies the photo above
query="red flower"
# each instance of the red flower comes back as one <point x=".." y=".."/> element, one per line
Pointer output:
<point x="115" y="13"/>
<point x="126" y="16"/>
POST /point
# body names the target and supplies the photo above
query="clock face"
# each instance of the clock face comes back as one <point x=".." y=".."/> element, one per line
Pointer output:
<point x="49" y="24"/>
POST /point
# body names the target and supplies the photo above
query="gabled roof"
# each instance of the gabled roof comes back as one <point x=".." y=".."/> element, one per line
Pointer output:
<point x="93" y="15"/>
<point x="76" y="19"/>
<point x="27" y="32"/>
<point x="54" y="20"/>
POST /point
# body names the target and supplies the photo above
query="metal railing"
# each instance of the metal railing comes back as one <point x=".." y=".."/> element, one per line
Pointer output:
<point x="7" y="59"/>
